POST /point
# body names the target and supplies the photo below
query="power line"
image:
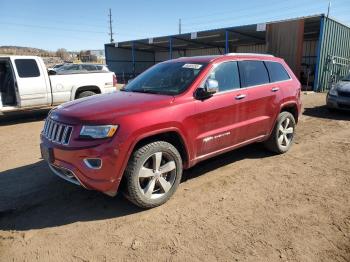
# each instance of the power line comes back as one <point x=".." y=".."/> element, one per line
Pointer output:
<point x="62" y="36"/>
<point x="248" y="15"/>
<point x="63" y="23"/>
<point x="54" y="21"/>
<point x="248" y="7"/>
<point x="51" y="27"/>
<point x="59" y="11"/>
<point x="231" y="12"/>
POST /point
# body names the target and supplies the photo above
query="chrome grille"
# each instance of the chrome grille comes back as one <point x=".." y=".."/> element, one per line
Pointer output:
<point x="57" y="132"/>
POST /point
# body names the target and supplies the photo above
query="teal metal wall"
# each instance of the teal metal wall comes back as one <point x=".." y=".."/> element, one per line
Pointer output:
<point x="334" y="43"/>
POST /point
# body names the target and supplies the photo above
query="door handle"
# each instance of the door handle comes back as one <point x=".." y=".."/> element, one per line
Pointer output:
<point x="275" y="89"/>
<point x="239" y="97"/>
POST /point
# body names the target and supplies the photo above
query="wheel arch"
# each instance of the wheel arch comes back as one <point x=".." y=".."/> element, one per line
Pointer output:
<point x="80" y="89"/>
<point x="172" y="136"/>
<point x="292" y="108"/>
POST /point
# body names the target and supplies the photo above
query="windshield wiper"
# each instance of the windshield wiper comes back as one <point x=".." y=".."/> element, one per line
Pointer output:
<point x="147" y="91"/>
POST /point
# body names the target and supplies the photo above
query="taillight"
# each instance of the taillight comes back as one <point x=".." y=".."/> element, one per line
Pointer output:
<point x="115" y="81"/>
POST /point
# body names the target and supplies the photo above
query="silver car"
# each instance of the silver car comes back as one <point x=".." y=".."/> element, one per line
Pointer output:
<point x="81" y="68"/>
<point x="339" y="95"/>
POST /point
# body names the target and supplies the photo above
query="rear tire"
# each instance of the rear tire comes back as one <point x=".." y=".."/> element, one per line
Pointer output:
<point x="85" y="94"/>
<point x="282" y="136"/>
<point x="153" y="174"/>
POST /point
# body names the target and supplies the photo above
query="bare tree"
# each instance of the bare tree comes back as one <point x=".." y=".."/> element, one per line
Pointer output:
<point x="62" y="53"/>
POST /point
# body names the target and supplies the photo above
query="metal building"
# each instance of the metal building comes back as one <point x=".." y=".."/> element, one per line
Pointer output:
<point x="316" y="48"/>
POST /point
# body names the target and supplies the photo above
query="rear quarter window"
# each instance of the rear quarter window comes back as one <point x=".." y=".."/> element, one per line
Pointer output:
<point x="27" y="68"/>
<point x="253" y="73"/>
<point x="89" y="67"/>
<point x="277" y="72"/>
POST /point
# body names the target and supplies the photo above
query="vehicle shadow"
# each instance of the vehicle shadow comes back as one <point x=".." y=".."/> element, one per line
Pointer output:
<point x="323" y="112"/>
<point x="33" y="198"/>
<point x="253" y="151"/>
<point x="23" y="117"/>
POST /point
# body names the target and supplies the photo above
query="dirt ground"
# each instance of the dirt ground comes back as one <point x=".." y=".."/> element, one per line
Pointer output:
<point x="247" y="205"/>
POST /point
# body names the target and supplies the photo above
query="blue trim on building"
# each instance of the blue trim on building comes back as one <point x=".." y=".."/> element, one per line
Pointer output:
<point x="133" y="56"/>
<point x="106" y="54"/>
<point x="227" y="48"/>
<point x="319" y="48"/>
<point x="170" y="48"/>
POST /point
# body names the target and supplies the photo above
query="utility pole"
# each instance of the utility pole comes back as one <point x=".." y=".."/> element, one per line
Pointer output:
<point x="110" y="25"/>
<point x="329" y="8"/>
<point x="180" y="26"/>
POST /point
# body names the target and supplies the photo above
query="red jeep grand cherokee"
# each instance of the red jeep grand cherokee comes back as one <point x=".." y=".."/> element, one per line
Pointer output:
<point x="169" y="118"/>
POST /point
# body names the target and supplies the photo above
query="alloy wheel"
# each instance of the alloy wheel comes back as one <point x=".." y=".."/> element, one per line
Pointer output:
<point x="285" y="133"/>
<point x="157" y="175"/>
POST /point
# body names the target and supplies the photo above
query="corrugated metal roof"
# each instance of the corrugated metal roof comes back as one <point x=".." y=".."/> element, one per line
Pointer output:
<point x="214" y="38"/>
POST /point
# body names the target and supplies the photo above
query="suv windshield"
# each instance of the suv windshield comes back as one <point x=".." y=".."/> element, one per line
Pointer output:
<point x="170" y="78"/>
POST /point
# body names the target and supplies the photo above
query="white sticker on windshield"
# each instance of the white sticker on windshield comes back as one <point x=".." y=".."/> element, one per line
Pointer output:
<point x="192" y="66"/>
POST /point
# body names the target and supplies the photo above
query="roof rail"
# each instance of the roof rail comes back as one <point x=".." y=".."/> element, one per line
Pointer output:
<point x="250" y="54"/>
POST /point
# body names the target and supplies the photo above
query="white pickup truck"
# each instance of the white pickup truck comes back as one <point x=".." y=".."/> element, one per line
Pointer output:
<point x="25" y="84"/>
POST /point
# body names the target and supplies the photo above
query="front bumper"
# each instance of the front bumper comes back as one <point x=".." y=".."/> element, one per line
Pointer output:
<point x="68" y="163"/>
<point x="338" y="102"/>
<point x="65" y="174"/>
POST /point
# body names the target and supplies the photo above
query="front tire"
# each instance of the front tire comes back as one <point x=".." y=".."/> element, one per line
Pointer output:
<point x="282" y="136"/>
<point x="153" y="174"/>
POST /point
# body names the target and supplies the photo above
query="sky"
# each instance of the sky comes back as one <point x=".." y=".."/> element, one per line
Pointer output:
<point x="80" y="25"/>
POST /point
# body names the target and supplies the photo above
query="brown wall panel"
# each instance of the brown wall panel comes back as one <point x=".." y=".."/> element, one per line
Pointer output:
<point x="285" y="40"/>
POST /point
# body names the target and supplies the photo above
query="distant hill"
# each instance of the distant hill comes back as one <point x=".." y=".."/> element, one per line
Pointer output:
<point x="50" y="58"/>
<point x="20" y="50"/>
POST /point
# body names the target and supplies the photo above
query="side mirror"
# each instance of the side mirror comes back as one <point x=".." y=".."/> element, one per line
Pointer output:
<point x="52" y="72"/>
<point x="211" y="87"/>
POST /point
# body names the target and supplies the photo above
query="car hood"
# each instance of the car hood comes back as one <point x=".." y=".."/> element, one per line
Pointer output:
<point x="343" y="86"/>
<point x="106" y="108"/>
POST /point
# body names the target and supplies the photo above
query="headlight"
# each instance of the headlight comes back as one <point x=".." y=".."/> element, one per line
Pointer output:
<point x="98" y="131"/>
<point x="333" y="91"/>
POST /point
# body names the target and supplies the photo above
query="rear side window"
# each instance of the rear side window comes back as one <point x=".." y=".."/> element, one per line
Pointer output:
<point x="89" y="67"/>
<point x="253" y="73"/>
<point x="72" y="67"/>
<point x="277" y="72"/>
<point x="27" y="68"/>
<point x="227" y="76"/>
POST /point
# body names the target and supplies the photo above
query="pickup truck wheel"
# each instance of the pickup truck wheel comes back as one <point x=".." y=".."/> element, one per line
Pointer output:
<point x="282" y="135"/>
<point x="85" y="94"/>
<point x="153" y="174"/>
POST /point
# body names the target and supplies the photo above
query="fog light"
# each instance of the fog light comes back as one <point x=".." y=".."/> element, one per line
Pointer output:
<point x="94" y="163"/>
